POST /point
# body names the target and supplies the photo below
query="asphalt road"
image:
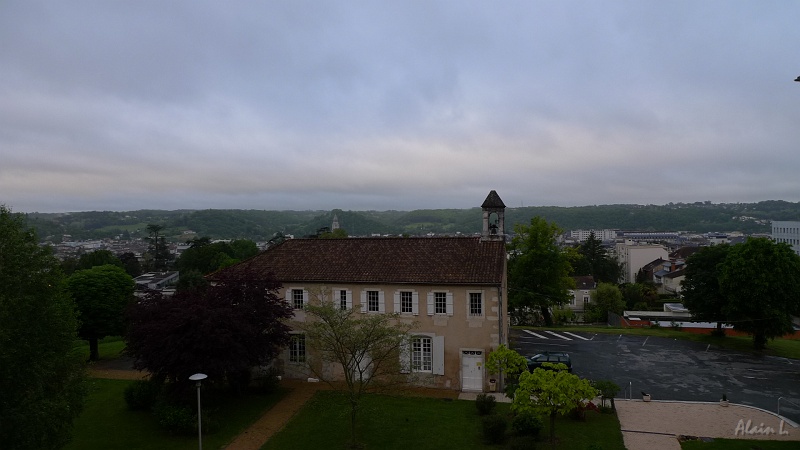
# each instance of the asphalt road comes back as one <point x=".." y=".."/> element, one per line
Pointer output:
<point x="670" y="369"/>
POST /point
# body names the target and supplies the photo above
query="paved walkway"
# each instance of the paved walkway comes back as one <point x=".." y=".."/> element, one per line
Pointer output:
<point x="660" y="424"/>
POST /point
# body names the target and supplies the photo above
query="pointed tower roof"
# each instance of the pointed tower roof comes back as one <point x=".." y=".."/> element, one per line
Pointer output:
<point x="493" y="201"/>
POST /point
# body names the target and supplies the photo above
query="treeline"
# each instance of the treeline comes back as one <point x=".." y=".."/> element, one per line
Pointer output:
<point x="258" y="225"/>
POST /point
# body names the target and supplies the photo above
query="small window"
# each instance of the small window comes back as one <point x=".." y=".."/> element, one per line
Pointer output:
<point x="297" y="348"/>
<point x="440" y="302"/>
<point x="475" y="304"/>
<point x="297" y="299"/>
<point x="343" y="299"/>
<point x="406" y="302"/>
<point x="373" y="301"/>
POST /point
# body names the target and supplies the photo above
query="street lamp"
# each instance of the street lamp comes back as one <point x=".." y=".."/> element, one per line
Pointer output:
<point x="199" y="377"/>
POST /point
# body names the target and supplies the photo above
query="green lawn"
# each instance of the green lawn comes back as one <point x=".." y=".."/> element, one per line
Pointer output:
<point x="107" y="424"/>
<point x="388" y="422"/>
<point x="787" y="348"/>
<point x="738" y="444"/>
<point x="110" y="347"/>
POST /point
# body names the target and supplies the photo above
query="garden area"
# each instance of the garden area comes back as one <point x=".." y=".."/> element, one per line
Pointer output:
<point x="403" y="422"/>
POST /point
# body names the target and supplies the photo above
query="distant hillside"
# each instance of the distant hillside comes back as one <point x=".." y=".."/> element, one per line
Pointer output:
<point x="259" y="225"/>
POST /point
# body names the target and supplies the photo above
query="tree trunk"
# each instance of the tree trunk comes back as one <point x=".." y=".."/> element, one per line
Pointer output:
<point x="548" y="320"/>
<point x="353" y="412"/>
<point x="553" y="430"/>
<point x="94" y="351"/>
<point x="759" y="340"/>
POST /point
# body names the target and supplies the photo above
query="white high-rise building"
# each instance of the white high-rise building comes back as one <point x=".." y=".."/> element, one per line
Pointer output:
<point x="787" y="232"/>
<point x="633" y="257"/>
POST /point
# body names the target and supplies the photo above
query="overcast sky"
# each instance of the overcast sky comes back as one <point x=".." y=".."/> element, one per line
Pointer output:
<point x="124" y="105"/>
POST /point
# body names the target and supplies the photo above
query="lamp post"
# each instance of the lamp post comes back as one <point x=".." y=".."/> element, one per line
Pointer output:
<point x="199" y="377"/>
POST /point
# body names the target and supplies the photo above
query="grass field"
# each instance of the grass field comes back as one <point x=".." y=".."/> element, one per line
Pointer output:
<point x="110" y="347"/>
<point x="787" y="348"/>
<point x="388" y="422"/>
<point x="107" y="424"/>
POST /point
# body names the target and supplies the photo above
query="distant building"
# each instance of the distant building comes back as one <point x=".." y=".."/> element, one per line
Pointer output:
<point x="787" y="232"/>
<point x="633" y="257"/>
<point x="583" y="235"/>
<point x="157" y="281"/>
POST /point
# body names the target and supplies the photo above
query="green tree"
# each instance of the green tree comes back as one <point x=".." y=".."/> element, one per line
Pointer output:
<point x="368" y="347"/>
<point x="204" y="256"/>
<point x="504" y="361"/>
<point x="42" y="380"/>
<point x="98" y="258"/>
<point x="546" y="392"/>
<point x="131" y="264"/>
<point x="538" y="269"/>
<point x="701" y="291"/>
<point x="597" y="263"/>
<point x="157" y="248"/>
<point x="101" y="293"/>
<point x="606" y="298"/>
<point x="761" y="280"/>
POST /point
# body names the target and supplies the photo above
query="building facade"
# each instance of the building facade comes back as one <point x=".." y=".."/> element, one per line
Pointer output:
<point x="633" y="257"/>
<point x="452" y="288"/>
<point x="787" y="232"/>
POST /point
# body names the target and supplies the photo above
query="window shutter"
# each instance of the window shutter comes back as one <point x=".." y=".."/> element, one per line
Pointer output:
<point x="288" y="296"/>
<point x="430" y="303"/>
<point x="349" y="298"/>
<point x="363" y="301"/>
<point x="405" y="355"/>
<point x="438" y="355"/>
<point x="381" y="302"/>
<point x="396" y="302"/>
<point x="415" y="303"/>
<point x="305" y="298"/>
<point x="449" y="303"/>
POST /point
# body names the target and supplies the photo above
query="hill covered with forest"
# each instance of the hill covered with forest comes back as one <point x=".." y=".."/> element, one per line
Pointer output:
<point x="258" y="225"/>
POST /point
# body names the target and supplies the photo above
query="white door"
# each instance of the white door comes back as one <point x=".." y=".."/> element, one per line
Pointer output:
<point x="472" y="370"/>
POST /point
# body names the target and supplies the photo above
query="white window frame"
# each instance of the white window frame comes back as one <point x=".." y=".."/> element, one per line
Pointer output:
<point x="365" y="301"/>
<point x="297" y="348"/>
<point x="398" y="302"/>
<point x="290" y="297"/>
<point x="432" y="303"/>
<point x="481" y="306"/>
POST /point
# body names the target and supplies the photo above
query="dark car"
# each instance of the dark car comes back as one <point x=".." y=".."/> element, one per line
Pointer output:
<point x="536" y="361"/>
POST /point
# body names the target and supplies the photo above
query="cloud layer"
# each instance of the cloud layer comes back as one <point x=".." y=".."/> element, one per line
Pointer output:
<point x="396" y="105"/>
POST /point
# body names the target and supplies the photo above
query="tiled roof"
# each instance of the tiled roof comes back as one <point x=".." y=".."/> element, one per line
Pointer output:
<point x="461" y="260"/>
<point x="584" y="282"/>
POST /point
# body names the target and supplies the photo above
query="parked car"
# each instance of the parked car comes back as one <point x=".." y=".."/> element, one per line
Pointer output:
<point x="536" y="361"/>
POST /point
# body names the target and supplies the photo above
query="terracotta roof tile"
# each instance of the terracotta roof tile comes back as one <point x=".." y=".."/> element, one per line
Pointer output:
<point x="462" y="260"/>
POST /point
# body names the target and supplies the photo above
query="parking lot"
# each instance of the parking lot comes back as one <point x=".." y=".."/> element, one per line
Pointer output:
<point x="670" y="369"/>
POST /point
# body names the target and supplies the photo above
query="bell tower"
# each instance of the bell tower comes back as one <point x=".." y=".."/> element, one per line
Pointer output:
<point x="493" y="218"/>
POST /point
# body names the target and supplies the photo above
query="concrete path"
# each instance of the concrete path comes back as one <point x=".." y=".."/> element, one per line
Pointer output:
<point x="660" y="424"/>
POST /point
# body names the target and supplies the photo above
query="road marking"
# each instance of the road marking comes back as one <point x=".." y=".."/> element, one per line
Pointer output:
<point x="557" y="335"/>
<point x="535" y="334"/>
<point x="577" y="336"/>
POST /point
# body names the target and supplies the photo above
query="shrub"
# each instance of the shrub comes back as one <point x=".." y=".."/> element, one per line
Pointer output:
<point x="494" y="428"/>
<point x="485" y="404"/>
<point x="267" y="382"/>
<point x="594" y="447"/>
<point x="142" y="395"/>
<point x="522" y="443"/>
<point x="175" y="418"/>
<point x="526" y="424"/>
